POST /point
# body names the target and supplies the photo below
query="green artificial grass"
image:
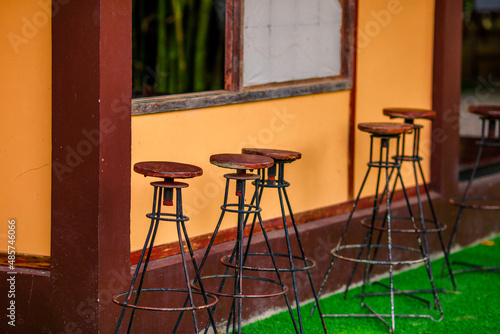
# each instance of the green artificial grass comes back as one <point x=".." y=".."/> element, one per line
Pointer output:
<point x="474" y="308"/>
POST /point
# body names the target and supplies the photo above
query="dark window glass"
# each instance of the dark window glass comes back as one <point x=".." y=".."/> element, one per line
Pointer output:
<point x="177" y="46"/>
<point x="480" y="82"/>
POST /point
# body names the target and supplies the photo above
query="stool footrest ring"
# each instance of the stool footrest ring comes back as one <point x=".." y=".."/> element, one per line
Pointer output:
<point x="478" y="202"/>
<point x="273" y="184"/>
<point x="249" y="208"/>
<point x="366" y="223"/>
<point x="164" y="217"/>
<point x="310" y="263"/>
<point x="165" y="309"/>
<point x="410" y="158"/>
<point x="284" y="288"/>
<point x="335" y="252"/>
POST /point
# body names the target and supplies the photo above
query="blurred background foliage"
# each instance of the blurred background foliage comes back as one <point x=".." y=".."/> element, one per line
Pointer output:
<point x="481" y="42"/>
<point x="177" y="46"/>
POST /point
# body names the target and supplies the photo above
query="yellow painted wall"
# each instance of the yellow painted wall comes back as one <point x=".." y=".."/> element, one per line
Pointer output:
<point x="316" y="126"/>
<point x="25" y="127"/>
<point x="395" y="50"/>
<point x="394" y="69"/>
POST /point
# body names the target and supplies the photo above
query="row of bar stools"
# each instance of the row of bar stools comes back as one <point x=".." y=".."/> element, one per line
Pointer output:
<point x="384" y="132"/>
<point x="164" y="196"/>
<point x="275" y="178"/>
<point x="410" y="115"/>
<point x="258" y="159"/>
<point x="490" y="137"/>
<point x="237" y="259"/>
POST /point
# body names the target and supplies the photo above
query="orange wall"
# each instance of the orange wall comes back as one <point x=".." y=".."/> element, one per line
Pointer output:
<point x="316" y="126"/>
<point x="25" y="129"/>
<point x="394" y="70"/>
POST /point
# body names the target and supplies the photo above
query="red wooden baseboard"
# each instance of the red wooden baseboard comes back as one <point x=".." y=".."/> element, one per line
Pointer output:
<point x="26" y="261"/>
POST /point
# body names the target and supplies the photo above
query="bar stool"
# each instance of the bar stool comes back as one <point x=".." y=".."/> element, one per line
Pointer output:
<point x="236" y="260"/>
<point x="490" y="117"/>
<point x="282" y="157"/>
<point x="384" y="132"/>
<point x="164" y="196"/>
<point x="410" y="115"/>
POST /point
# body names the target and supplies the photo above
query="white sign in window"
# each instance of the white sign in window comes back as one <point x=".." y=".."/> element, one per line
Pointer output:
<point x="287" y="40"/>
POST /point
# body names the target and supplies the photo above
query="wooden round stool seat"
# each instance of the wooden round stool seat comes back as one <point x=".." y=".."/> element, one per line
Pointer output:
<point x="491" y="111"/>
<point x="166" y="193"/>
<point x="410" y="113"/>
<point x="385" y="128"/>
<point x="241" y="161"/>
<point x="167" y="169"/>
<point x="281" y="155"/>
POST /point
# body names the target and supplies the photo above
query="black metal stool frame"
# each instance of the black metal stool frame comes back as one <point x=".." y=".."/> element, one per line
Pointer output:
<point x="281" y="184"/>
<point x="383" y="164"/>
<point x="488" y="139"/>
<point x="179" y="218"/>
<point x="243" y="210"/>
<point x="415" y="159"/>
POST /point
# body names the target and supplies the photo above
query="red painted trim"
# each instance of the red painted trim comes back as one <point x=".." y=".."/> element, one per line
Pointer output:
<point x="352" y="110"/>
<point x="27" y="261"/>
<point x="91" y="140"/>
<point x="446" y="96"/>
<point x="233" y="45"/>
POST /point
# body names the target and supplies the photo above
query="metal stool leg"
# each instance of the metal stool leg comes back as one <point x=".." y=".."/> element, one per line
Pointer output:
<point x="245" y="254"/>
<point x="153" y="224"/>
<point x="423" y="246"/>
<point x="370" y="259"/>
<point x="303" y="255"/>
<point x="330" y="266"/>
<point x="239" y="253"/>
<point x="281" y="185"/>
<point x="156" y="216"/>
<point x="205" y="256"/>
<point x="182" y="225"/>
<point x="487" y="135"/>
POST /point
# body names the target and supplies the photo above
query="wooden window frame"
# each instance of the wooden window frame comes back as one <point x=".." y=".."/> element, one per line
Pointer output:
<point x="235" y="92"/>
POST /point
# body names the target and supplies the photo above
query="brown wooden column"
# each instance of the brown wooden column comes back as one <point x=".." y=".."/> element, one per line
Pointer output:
<point x="91" y="127"/>
<point x="446" y="96"/>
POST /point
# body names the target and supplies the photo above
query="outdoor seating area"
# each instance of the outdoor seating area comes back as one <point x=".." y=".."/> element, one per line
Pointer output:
<point x="261" y="168"/>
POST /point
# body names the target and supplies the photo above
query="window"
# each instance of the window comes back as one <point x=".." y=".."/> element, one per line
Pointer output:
<point x="288" y="40"/>
<point x="216" y="52"/>
<point x="177" y="46"/>
<point x="480" y="76"/>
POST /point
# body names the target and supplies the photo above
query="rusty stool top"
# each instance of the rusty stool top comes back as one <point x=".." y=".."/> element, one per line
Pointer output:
<point x="385" y="128"/>
<point x="486" y="110"/>
<point x="410" y="113"/>
<point x="167" y="169"/>
<point x="280" y="155"/>
<point x="241" y="161"/>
